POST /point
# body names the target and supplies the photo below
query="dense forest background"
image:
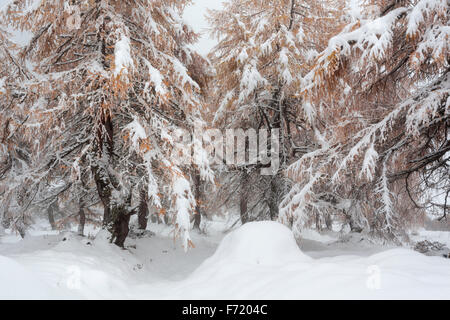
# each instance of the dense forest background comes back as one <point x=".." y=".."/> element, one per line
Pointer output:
<point x="91" y="106"/>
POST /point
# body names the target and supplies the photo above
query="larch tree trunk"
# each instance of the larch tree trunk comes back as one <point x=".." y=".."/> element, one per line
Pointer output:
<point x="51" y="215"/>
<point x="82" y="216"/>
<point x="120" y="226"/>
<point x="5" y="216"/>
<point x="198" y="211"/>
<point x="243" y="200"/>
<point x="273" y="199"/>
<point x="143" y="211"/>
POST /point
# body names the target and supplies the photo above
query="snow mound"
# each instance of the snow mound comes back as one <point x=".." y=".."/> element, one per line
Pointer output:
<point x="102" y="237"/>
<point x="264" y="243"/>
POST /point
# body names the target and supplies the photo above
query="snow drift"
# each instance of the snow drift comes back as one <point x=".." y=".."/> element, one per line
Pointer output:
<point x="261" y="243"/>
<point x="263" y="261"/>
<point x="259" y="260"/>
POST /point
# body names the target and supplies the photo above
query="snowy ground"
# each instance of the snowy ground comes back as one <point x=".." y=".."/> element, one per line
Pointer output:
<point x="256" y="261"/>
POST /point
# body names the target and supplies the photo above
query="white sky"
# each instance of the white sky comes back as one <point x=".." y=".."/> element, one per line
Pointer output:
<point x="194" y="15"/>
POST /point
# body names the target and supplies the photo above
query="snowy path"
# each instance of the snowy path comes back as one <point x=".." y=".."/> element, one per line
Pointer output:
<point x="247" y="264"/>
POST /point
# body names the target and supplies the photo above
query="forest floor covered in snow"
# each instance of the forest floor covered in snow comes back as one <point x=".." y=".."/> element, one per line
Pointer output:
<point x="256" y="261"/>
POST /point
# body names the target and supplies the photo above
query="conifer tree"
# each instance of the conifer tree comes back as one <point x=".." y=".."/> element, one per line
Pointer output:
<point x="112" y="81"/>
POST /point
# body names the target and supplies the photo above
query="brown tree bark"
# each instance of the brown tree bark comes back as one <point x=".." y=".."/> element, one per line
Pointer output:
<point x="6" y="218"/>
<point x="273" y="199"/>
<point x="101" y="176"/>
<point x="243" y="200"/>
<point x="198" y="213"/>
<point x="104" y="138"/>
<point x="143" y="211"/>
<point x="115" y="215"/>
<point x="51" y="215"/>
<point x="318" y="223"/>
<point x="120" y="220"/>
<point x="120" y="226"/>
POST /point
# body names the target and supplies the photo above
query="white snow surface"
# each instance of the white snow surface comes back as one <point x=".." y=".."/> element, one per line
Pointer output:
<point x="260" y="260"/>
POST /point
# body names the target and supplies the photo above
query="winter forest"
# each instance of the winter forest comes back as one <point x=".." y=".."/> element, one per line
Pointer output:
<point x="305" y="154"/>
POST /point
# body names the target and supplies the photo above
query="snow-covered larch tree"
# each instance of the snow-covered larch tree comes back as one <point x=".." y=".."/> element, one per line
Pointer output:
<point x="111" y="81"/>
<point x="14" y="149"/>
<point x="382" y="89"/>
<point x="265" y="47"/>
